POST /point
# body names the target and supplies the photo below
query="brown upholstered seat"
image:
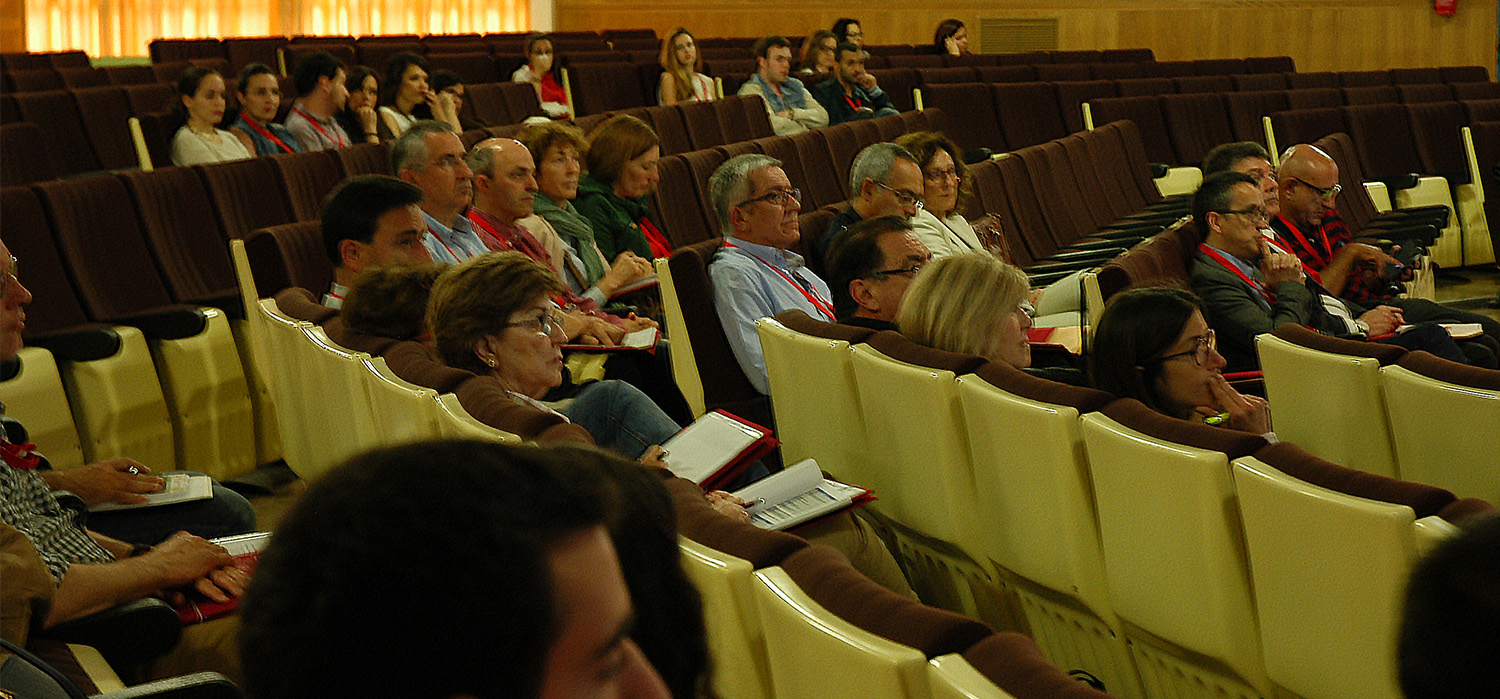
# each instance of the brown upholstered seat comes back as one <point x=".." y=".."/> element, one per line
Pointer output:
<point x="1424" y="500"/>
<point x="1015" y="664"/>
<point x="1135" y="415"/>
<point x="289" y="255"/>
<point x="246" y="195"/>
<point x="1012" y="380"/>
<point x="1434" y="367"/>
<point x="724" y="383"/>
<point x="703" y="126"/>
<point x="981" y="126"/>
<point x="798" y="320"/>
<point x="895" y="345"/>
<point x="677" y="206"/>
<point x="306" y="179"/>
<point x="697" y="520"/>
<point x="1297" y="334"/>
<point x="178" y="219"/>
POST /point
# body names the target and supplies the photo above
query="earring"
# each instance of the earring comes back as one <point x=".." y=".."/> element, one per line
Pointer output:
<point x="491" y="362"/>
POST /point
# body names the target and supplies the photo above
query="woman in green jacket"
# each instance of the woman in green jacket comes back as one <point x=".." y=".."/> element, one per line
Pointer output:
<point x="621" y="172"/>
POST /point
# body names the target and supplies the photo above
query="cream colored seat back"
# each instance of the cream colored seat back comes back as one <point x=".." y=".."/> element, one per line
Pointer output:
<point x="679" y="345"/>
<point x="1329" y="404"/>
<point x="456" y="423"/>
<point x="402" y="411"/>
<point x="341" y="403"/>
<point x="250" y="340"/>
<point x="1446" y="435"/>
<point x="1173" y="556"/>
<point x="952" y="677"/>
<point x="735" y="640"/>
<point x="290" y="394"/>
<point x="814" y="654"/>
<point x="1330" y="576"/>
<point x="35" y="397"/>
<point x="208" y="398"/>
<point x="816" y="402"/>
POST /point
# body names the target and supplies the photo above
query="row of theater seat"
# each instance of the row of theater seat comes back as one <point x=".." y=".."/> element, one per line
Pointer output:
<point x="1069" y="513"/>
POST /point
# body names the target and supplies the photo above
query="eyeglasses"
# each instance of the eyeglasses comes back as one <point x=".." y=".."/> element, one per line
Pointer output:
<point x="11" y="278"/>
<point x="940" y="175"/>
<point x="1324" y="194"/>
<point x="1256" y="213"/>
<point x="905" y="198"/>
<point x="1026" y="308"/>
<point x="545" y="324"/>
<point x="777" y="197"/>
<point x="1202" y="346"/>
<point x="904" y="272"/>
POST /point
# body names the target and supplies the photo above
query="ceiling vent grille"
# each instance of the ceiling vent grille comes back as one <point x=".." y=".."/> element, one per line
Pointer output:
<point x="1016" y="35"/>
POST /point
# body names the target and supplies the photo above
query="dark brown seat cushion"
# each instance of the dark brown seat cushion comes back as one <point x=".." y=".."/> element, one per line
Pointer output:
<point x="827" y="576"/>
<point x="798" y="320"/>
<point x="1012" y="380"/>
<point x="1424" y="500"/>
<point x="1434" y="367"/>
<point x="1385" y="354"/>
<point x="300" y="304"/>
<point x="1135" y="415"/>
<point x="1015" y="664"/>
<point x="697" y="520"/>
<point x="895" y="345"/>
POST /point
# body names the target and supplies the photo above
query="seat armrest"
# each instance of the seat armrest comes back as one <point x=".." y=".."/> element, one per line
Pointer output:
<point x="201" y="685"/>
<point x="126" y="635"/>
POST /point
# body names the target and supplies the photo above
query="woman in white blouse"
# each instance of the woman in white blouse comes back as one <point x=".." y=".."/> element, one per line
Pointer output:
<point x="199" y="140"/>
<point x="940" y="224"/>
<point x="682" y="78"/>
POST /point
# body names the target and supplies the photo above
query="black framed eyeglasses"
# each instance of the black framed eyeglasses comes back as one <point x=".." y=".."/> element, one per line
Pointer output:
<point x="1324" y="194"/>
<point x="546" y="323"/>
<point x="905" y="198"/>
<point x="14" y="275"/>
<point x="778" y="197"/>
<point x="1202" y="346"/>
<point x="903" y="272"/>
<point x="1255" y="213"/>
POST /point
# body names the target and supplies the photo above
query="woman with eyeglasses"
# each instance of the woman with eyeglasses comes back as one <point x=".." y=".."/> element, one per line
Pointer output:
<point x="971" y="303"/>
<point x="940" y="223"/>
<point x="1154" y="345"/>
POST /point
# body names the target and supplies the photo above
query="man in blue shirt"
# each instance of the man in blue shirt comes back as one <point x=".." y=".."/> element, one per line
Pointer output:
<point x="430" y="156"/>
<point x="754" y="275"/>
<point x="792" y="109"/>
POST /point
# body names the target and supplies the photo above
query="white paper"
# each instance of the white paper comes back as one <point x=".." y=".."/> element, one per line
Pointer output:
<point x="712" y="442"/>
<point x="179" y="487"/>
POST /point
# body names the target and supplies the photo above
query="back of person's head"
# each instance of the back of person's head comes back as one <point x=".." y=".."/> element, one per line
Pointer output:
<point x="956" y="301"/>
<point x="538" y="137"/>
<point x="1214" y="195"/>
<point x="1136" y="330"/>
<point x="945" y="29"/>
<point x="807" y="57"/>
<point x="394" y="70"/>
<point x="475" y="299"/>
<point x="390" y="301"/>
<point x="856" y="254"/>
<point x="619" y="140"/>
<point x="443" y="79"/>
<point x="242" y="83"/>
<point x="1449" y="640"/>
<point x="409" y="150"/>
<point x="313" y="66"/>
<point x="763" y="45"/>
<point x="875" y="163"/>
<point x="923" y="145"/>
<point x="1223" y="157"/>
<point x="669" y="625"/>
<point x="353" y="209"/>
<point x="422" y="572"/>
<point x="187" y="86"/>
<point x="841" y="27"/>
<point x="730" y="185"/>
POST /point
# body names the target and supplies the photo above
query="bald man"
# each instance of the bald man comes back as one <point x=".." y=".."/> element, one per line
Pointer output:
<point x="1308" y="225"/>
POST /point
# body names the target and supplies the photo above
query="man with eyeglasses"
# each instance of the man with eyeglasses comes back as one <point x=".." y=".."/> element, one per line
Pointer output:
<point x="1252" y="286"/>
<point x="886" y="180"/>
<point x="870" y="267"/>
<point x="755" y="274"/>
<point x="1310" y="227"/>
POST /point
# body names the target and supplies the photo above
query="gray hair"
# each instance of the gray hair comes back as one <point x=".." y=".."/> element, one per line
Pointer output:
<point x="875" y="163"/>
<point x="409" y="151"/>
<point x="730" y="184"/>
<point x="481" y="160"/>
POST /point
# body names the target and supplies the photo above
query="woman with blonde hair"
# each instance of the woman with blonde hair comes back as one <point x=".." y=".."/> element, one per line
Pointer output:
<point x="682" y="78"/>
<point x="970" y="304"/>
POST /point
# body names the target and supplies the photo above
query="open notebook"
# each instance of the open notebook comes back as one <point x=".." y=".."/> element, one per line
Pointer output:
<point x="716" y="448"/>
<point x="196" y="608"/>
<point x="798" y="495"/>
<point x="643" y="339"/>
<point x="177" y="487"/>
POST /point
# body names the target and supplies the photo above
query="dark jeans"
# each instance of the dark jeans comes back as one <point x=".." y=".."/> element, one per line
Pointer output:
<point x="225" y="514"/>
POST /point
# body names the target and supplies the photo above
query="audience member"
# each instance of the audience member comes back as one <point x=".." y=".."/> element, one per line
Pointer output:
<point x="260" y="98"/>
<point x="792" y="109"/>
<point x="430" y="156"/>
<point x="945" y="192"/>
<point x="543" y="71"/>
<point x="406" y="97"/>
<point x="755" y="274"/>
<point x="816" y="56"/>
<point x="682" y="78"/>
<point x="951" y="38"/>
<point x="92" y="572"/>
<point x="447" y="82"/>
<point x="557" y="149"/>
<point x="345" y="604"/>
<point x="391" y="301"/>
<point x="358" y="117"/>
<point x="1448" y="645"/>
<point x="848" y="29"/>
<point x="852" y="94"/>
<point x="870" y="268"/>
<point x="886" y="180"/>
<point x="370" y="222"/>
<point x="1307" y="224"/>
<point x="1250" y="286"/>
<point x="1154" y="345"/>
<point x="621" y="162"/>
<point x="197" y="113"/>
<point x="320" y="95"/>
<point x="970" y="304"/>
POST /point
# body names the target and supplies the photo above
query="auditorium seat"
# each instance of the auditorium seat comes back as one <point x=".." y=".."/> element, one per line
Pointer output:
<point x="813" y="394"/>
<point x="129" y="75"/>
<point x="521" y="100"/>
<point x="734" y="150"/>
<point x="105" y="112"/>
<point x="1482" y="110"/>
<point x="343" y="50"/>
<point x="1129" y="148"/>
<point x="1357" y="207"/>
<point x="735" y="638"/>
<point x="164" y="50"/>
<point x="915" y="61"/>
<point x="897" y="83"/>
<point x="1219" y="66"/>
<point x="1064" y="72"/>
<point x="364" y="159"/>
<point x="588" y="122"/>
<point x="1475" y="91"/>
<point x="1077" y="56"/>
<point x="56" y="318"/>
<point x="149" y="98"/>
<point x="980" y="128"/>
<point x="782" y="148"/>
<point x="1464" y="74"/>
<point x="1136" y="87"/>
<point x="1425" y="92"/>
<point x="975" y="60"/>
<point x="1117" y="71"/>
<point x="1197" y="124"/>
<point x="1259" y="81"/>
<point x="291" y="255"/>
<point x="1248" y="109"/>
<point x="1314" y="98"/>
<point x="487" y="103"/>
<point x="1436" y="130"/>
<point x="471" y="67"/>
<point x="942" y="76"/>
<point x="601" y="87"/>
<point x="75" y="78"/>
<point x="1415" y="76"/>
<point x="1306" y="125"/>
<point x="822" y="186"/>
<point x="843" y="145"/>
<point x="670" y="129"/>
<point x="702" y="121"/>
<point x="1142" y="55"/>
<point x="1370" y="94"/>
<point x="169" y="72"/>
<point x="755" y="115"/>
<point x="1297" y="81"/>
<point x="1270" y="64"/>
<point x="36" y="80"/>
<point x="866" y="133"/>
<point x="1204" y="83"/>
<point x="733" y="121"/>
<point x="1170" y="69"/>
<point x="1071" y="95"/>
<point x="376" y="52"/>
<point x="242" y="51"/>
<point x="889" y="127"/>
<point x="24" y="155"/>
<point x="1146" y="114"/>
<point x="1006" y="74"/>
<point x="56" y="114"/>
<point x="701" y="164"/>
<point x="247" y="195"/>
<point x="1424" y="393"/>
<point x="178" y="219"/>
<point x="1027" y="113"/>
<point x="929" y="119"/>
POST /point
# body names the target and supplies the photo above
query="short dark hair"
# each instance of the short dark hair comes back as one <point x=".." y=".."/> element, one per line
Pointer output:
<point x="242" y="83"/>
<point x="764" y="44"/>
<point x="841" y="27"/>
<point x="1223" y="157"/>
<point x="390" y="301"/>
<point x="1213" y="195"/>
<point x="1137" y="327"/>
<point x="443" y="79"/>
<point x="353" y="208"/>
<point x="855" y="254"/>
<point x="419" y="571"/>
<point x="313" y="66"/>
<point x="1448" y="643"/>
<point x="844" y="47"/>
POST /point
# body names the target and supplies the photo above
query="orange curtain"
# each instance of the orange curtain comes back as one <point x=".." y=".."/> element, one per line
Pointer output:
<point x="126" y="27"/>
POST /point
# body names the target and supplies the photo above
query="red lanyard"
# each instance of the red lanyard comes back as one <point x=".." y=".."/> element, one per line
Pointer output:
<point x="1205" y="249"/>
<point x="1306" y="269"/>
<point x="852" y="103"/>
<point x="1317" y="256"/>
<point x="336" y="141"/>
<point x="809" y="293"/>
<point x="439" y="238"/>
<point x="21" y="456"/>
<point x="267" y="133"/>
